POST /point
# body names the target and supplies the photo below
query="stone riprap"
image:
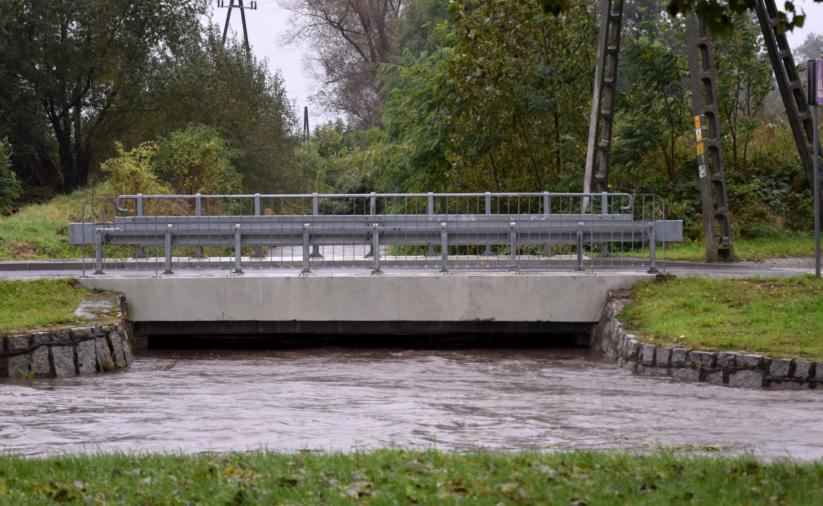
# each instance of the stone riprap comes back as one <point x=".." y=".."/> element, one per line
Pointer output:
<point x="716" y="367"/>
<point x="67" y="352"/>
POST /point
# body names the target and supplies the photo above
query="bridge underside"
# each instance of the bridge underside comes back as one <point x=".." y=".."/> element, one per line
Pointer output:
<point x="490" y="304"/>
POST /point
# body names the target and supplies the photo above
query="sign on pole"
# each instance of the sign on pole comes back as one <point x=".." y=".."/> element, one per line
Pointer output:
<point x="815" y="83"/>
<point x="815" y="88"/>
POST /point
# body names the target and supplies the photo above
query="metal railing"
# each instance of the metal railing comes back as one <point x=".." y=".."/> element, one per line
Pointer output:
<point x="514" y="231"/>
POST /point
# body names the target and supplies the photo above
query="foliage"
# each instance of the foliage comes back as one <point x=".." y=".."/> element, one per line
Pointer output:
<point x="340" y="160"/>
<point x="219" y="86"/>
<point x="350" y="38"/>
<point x="810" y="49"/>
<point x="752" y="315"/>
<point x="497" y="108"/>
<point x="131" y="172"/>
<point x="80" y="75"/>
<point x="41" y="304"/>
<point x="408" y="477"/>
<point x="717" y="14"/>
<point x="649" y="131"/>
<point x="73" y="70"/>
<point x="744" y="79"/>
<point x="197" y="160"/>
<point x="9" y="185"/>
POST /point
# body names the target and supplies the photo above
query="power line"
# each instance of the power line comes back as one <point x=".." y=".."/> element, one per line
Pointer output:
<point x="252" y="6"/>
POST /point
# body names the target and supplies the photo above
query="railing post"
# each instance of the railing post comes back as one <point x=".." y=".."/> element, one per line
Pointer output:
<point x="444" y="248"/>
<point x="98" y="251"/>
<point x="604" y="209"/>
<point x="198" y="211"/>
<point x="579" y="246"/>
<point x="139" y="250"/>
<point x="430" y="211"/>
<point x="238" y="250"/>
<point x="488" y="208"/>
<point x="547" y="210"/>
<point x="168" y="249"/>
<point x="513" y="246"/>
<point x="375" y="238"/>
<point x="306" y="247"/>
<point x="258" y="250"/>
<point x="315" y="211"/>
<point x="652" y="250"/>
<point x="372" y="212"/>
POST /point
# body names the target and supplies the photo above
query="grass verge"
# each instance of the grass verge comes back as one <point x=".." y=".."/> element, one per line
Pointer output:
<point x="772" y="316"/>
<point x="40" y="231"/>
<point x="26" y="305"/>
<point x="401" y="477"/>
<point x="789" y="245"/>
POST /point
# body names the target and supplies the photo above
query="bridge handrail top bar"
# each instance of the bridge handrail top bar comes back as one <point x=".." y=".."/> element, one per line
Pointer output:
<point x="375" y="194"/>
<point x="206" y="196"/>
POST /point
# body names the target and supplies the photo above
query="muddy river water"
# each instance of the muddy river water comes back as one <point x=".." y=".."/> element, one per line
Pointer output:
<point x="346" y="399"/>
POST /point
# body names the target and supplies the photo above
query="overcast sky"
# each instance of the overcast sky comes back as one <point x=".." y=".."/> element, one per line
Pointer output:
<point x="269" y="23"/>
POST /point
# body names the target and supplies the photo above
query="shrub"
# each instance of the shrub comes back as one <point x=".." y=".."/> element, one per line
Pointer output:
<point x="9" y="185"/>
<point x="131" y="172"/>
<point x="197" y="160"/>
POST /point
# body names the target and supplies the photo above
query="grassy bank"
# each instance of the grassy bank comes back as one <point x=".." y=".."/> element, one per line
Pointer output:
<point x="400" y="477"/>
<point x="40" y="304"/>
<point x="789" y="245"/>
<point x="773" y="316"/>
<point x="40" y="231"/>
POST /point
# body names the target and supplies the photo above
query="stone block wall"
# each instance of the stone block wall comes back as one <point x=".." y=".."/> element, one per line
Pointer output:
<point x="66" y="352"/>
<point x="716" y="367"/>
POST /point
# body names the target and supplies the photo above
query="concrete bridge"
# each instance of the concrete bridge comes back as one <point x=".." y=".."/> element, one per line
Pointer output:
<point x="519" y="264"/>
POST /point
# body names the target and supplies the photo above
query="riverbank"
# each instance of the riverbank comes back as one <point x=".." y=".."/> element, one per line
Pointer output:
<point x="779" y="317"/>
<point x="403" y="477"/>
<point x="48" y="303"/>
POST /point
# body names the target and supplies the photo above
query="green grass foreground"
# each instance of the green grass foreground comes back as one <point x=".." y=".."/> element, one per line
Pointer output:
<point x="401" y="477"/>
<point x="772" y="316"/>
<point x="43" y="303"/>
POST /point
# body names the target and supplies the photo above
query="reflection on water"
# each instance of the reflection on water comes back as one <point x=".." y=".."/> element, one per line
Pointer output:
<point x="344" y="399"/>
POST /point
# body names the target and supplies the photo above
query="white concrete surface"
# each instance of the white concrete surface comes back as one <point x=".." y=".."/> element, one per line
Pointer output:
<point x="401" y="296"/>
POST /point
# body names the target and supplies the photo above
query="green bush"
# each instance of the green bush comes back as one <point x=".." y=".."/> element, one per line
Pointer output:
<point x="197" y="160"/>
<point x="9" y="185"/>
<point x="131" y="172"/>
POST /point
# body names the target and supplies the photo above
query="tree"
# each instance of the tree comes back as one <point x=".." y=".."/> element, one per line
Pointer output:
<point x="744" y="79"/>
<point x="197" y="160"/>
<point x="811" y="48"/>
<point x="654" y="106"/>
<point x="9" y="185"/>
<point x="82" y="62"/>
<point x="219" y="86"/>
<point x="351" y="38"/>
<point x="718" y="15"/>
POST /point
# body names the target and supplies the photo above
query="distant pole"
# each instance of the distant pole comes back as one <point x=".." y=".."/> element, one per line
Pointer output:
<point x="815" y="88"/>
<point x="228" y="18"/>
<point x="306" y="124"/>
<point x="252" y="5"/>
<point x="245" y="31"/>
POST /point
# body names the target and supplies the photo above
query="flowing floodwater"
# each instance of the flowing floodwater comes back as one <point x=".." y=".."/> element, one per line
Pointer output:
<point x="345" y="399"/>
